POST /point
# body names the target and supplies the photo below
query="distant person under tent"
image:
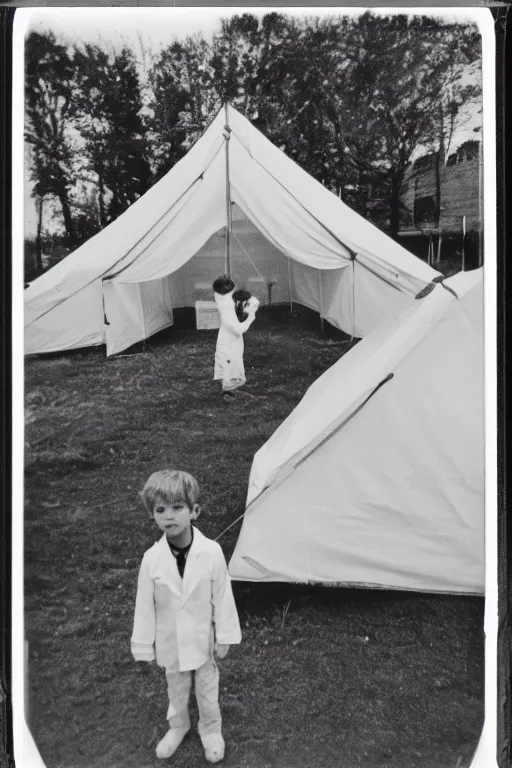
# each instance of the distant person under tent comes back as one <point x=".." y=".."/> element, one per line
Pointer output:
<point x="229" y="354"/>
<point x="241" y="297"/>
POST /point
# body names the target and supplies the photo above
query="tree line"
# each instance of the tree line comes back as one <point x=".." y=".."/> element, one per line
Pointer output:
<point x="349" y="99"/>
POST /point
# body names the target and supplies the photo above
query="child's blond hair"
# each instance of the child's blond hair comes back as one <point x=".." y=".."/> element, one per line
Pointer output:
<point x="171" y="486"/>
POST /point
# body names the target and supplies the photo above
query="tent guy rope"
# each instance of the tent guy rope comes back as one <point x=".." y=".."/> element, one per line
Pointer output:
<point x="252" y="262"/>
<point x="328" y="437"/>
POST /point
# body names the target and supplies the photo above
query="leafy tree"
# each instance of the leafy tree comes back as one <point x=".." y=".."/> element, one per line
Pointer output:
<point x="315" y="98"/>
<point x="184" y="99"/>
<point x="247" y="62"/>
<point x="95" y="81"/>
<point x="50" y="110"/>
<point x="396" y="71"/>
<point x="129" y="173"/>
<point x="350" y="99"/>
<point x="192" y="79"/>
<point x="114" y="152"/>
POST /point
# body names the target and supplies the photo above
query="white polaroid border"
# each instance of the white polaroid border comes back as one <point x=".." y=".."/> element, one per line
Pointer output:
<point x="25" y="750"/>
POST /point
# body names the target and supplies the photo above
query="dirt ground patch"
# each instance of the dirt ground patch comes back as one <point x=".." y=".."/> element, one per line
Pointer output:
<point x="324" y="677"/>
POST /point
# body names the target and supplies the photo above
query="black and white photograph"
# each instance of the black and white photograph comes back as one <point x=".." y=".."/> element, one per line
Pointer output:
<point x="254" y="370"/>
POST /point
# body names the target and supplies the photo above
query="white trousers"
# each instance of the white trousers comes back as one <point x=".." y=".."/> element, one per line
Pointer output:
<point x="179" y="685"/>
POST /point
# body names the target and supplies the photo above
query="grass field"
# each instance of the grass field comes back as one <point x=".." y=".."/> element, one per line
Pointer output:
<point x="325" y="678"/>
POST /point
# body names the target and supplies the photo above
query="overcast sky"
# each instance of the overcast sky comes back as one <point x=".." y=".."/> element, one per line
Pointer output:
<point x="117" y="25"/>
<point x="160" y="25"/>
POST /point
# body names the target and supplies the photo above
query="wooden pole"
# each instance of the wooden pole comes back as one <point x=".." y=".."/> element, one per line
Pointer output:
<point x="39" y="248"/>
<point x="439" y="244"/>
<point x="26" y="681"/>
<point x="228" y="197"/>
<point x="321" y="300"/>
<point x="353" y="299"/>
<point x="463" y="243"/>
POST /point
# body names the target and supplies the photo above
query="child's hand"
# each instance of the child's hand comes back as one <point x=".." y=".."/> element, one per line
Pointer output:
<point x="221" y="651"/>
<point x="252" y="304"/>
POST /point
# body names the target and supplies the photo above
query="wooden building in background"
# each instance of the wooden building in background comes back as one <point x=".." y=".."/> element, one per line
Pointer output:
<point x="442" y="207"/>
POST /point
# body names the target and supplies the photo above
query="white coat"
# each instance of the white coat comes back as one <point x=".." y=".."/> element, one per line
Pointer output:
<point x="178" y="620"/>
<point x="229" y="354"/>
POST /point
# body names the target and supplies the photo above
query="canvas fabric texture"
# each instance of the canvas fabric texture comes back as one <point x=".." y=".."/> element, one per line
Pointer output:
<point x="377" y="477"/>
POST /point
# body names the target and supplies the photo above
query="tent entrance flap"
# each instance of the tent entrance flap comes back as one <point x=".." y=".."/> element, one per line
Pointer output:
<point x="135" y="311"/>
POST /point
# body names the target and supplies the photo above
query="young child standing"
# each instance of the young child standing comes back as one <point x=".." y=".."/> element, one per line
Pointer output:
<point x="229" y="354"/>
<point x="185" y="613"/>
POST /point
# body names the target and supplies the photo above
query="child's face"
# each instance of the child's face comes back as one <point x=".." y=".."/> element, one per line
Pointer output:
<point x="174" y="518"/>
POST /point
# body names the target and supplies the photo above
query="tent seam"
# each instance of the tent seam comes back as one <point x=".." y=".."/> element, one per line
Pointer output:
<point x="351" y="252"/>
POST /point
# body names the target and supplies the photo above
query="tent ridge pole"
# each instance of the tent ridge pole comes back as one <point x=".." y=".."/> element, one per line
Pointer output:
<point x="227" y="131"/>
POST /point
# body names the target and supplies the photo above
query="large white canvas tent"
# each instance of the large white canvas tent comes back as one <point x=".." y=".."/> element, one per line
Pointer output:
<point x="377" y="477"/>
<point x="122" y="285"/>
